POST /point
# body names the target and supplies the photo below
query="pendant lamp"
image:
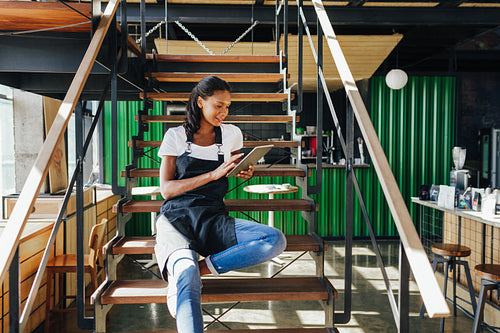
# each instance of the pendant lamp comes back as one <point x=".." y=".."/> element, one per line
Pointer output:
<point x="396" y="79"/>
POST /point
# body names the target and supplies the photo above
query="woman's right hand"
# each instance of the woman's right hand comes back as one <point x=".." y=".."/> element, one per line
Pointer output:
<point x="225" y="167"/>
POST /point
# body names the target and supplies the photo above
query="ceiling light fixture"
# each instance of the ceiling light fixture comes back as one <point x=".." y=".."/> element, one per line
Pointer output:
<point x="396" y="78"/>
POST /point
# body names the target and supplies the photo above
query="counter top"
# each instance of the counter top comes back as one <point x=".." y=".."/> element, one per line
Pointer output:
<point x="473" y="215"/>
<point x="32" y="229"/>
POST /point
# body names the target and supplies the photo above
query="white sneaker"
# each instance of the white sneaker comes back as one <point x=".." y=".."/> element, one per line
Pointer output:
<point x="172" y="296"/>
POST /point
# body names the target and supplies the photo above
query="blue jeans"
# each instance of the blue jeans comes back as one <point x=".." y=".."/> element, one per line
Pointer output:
<point x="257" y="243"/>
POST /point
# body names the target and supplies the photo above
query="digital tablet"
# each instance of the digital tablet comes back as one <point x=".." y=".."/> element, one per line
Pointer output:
<point x="250" y="159"/>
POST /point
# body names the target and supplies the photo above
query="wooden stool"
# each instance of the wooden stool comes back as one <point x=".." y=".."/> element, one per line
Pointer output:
<point x="448" y="254"/>
<point x="490" y="279"/>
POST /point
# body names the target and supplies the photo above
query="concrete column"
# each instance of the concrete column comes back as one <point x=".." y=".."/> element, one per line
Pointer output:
<point x="28" y="134"/>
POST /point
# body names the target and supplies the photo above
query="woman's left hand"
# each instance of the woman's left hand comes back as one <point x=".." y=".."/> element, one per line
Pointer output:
<point x="246" y="174"/>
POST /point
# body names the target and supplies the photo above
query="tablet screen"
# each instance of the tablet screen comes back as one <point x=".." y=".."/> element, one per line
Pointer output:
<point x="250" y="159"/>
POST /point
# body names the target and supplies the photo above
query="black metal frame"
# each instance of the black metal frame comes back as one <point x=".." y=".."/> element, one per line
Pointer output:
<point x="14" y="293"/>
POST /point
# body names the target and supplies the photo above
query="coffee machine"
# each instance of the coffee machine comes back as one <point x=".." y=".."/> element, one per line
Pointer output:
<point x="459" y="177"/>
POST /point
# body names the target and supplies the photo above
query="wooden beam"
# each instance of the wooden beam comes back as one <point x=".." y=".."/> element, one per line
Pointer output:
<point x="232" y="205"/>
<point x="146" y="244"/>
<point x="213" y="58"/>
<point x="260" y="171"/>
<point x="235" y="97"/>
<point x="417" y="257"/>
<point x="12" y="233"/>
<point x="246" y="144"/>
<point x="34" y="15"/>
<point x="229" y="119"/>
<point x="229" y="77"/>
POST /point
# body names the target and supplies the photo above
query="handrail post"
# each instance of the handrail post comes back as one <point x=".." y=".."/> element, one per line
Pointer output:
<point x="345" y="316"/>
<point x="143" y="29"/>
<point x="96" y="15"/>
<point x="315" y="189"/>
<point x="300" y="52"/>
<point x="404" y="291"/>
<point x="166" y="28"/>
<point x="124" y="38"/>
<point x="83" y="323"/>
<point x="285" y="34"/>
<point x="277" y="27"/>
<point x="14" y="294"/>
<point x="119" y="190"/>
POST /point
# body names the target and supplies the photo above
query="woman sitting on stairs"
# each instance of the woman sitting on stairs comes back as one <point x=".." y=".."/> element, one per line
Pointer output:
<point x="196" y="157"/>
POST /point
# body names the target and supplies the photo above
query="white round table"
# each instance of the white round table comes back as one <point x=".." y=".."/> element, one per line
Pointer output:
<point x="271" y="190"/>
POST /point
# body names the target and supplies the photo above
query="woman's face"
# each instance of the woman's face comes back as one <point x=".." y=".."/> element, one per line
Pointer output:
<point x="215" y="108"/>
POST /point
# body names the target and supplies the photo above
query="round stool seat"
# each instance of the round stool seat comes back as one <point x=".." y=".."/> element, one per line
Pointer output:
<point x="452" y="250"/>
<point x="488" y="271"/>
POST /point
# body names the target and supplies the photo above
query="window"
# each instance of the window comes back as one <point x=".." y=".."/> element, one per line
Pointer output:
<point x="7" y="168"/>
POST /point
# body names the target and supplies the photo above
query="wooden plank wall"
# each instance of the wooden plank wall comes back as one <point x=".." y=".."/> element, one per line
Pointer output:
<point x="33" y="243"/>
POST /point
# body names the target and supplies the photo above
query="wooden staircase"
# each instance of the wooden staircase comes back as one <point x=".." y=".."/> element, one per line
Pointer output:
<point x="262" y="82"/>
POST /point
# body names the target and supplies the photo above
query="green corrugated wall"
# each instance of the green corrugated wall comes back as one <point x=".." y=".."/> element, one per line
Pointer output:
<point x="141" y="225"/>
<point x="415" y="127"/>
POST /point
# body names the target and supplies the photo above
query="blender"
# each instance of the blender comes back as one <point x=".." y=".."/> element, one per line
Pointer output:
<point x="459" y="177"/>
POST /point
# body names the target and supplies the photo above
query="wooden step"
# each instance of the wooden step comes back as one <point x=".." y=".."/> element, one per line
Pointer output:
<point x="221" y="290"/>
<point x="229" y="77"/>
<point x="213" y="58"/>
<point x="232" y="205"/>
<point x="145" y="244"/>
<point x="246" y="144"/>
<point x="235" y="97"/>
<point x="229" y="119"/>
<point x="271" y="330"/>
<point x="260" y="171"/>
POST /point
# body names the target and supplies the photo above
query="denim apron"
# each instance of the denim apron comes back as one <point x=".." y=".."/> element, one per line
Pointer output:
<point x="200" y="214"/>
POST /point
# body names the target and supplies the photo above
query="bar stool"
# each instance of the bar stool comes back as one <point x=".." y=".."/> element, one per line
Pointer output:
<point x="490" y="279"/>
<point x="448" y="254"/>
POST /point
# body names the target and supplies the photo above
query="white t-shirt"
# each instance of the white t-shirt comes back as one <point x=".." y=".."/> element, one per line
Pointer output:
<point x="174" y="143"/>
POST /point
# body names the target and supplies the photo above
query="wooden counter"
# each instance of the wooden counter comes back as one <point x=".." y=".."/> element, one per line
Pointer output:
<point x="34" y="240"/>
<point x="470" y="228"/>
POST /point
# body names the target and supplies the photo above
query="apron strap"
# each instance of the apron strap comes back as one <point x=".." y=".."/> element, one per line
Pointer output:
<point x="218" y="143"/>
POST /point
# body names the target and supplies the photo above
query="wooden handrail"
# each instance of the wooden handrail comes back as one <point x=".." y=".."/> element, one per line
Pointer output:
<point x="14" y="228"/>
<point x="424" y="276"/>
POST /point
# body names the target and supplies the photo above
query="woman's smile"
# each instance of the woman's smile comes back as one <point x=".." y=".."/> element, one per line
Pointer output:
<point x="214" y="109"/>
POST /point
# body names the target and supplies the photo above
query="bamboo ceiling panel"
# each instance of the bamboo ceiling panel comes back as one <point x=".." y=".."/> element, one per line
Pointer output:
<point x="364" y="55"/>
<point x="399" y="4"/>
<point x="34" y="15"/>
<point x="377" y="3"/>
<point x="192" y="48"/>
<point x="249" y="2"/>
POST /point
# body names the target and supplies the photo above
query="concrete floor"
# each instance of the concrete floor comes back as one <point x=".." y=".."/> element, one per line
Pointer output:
<point x="370" y="306"/>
